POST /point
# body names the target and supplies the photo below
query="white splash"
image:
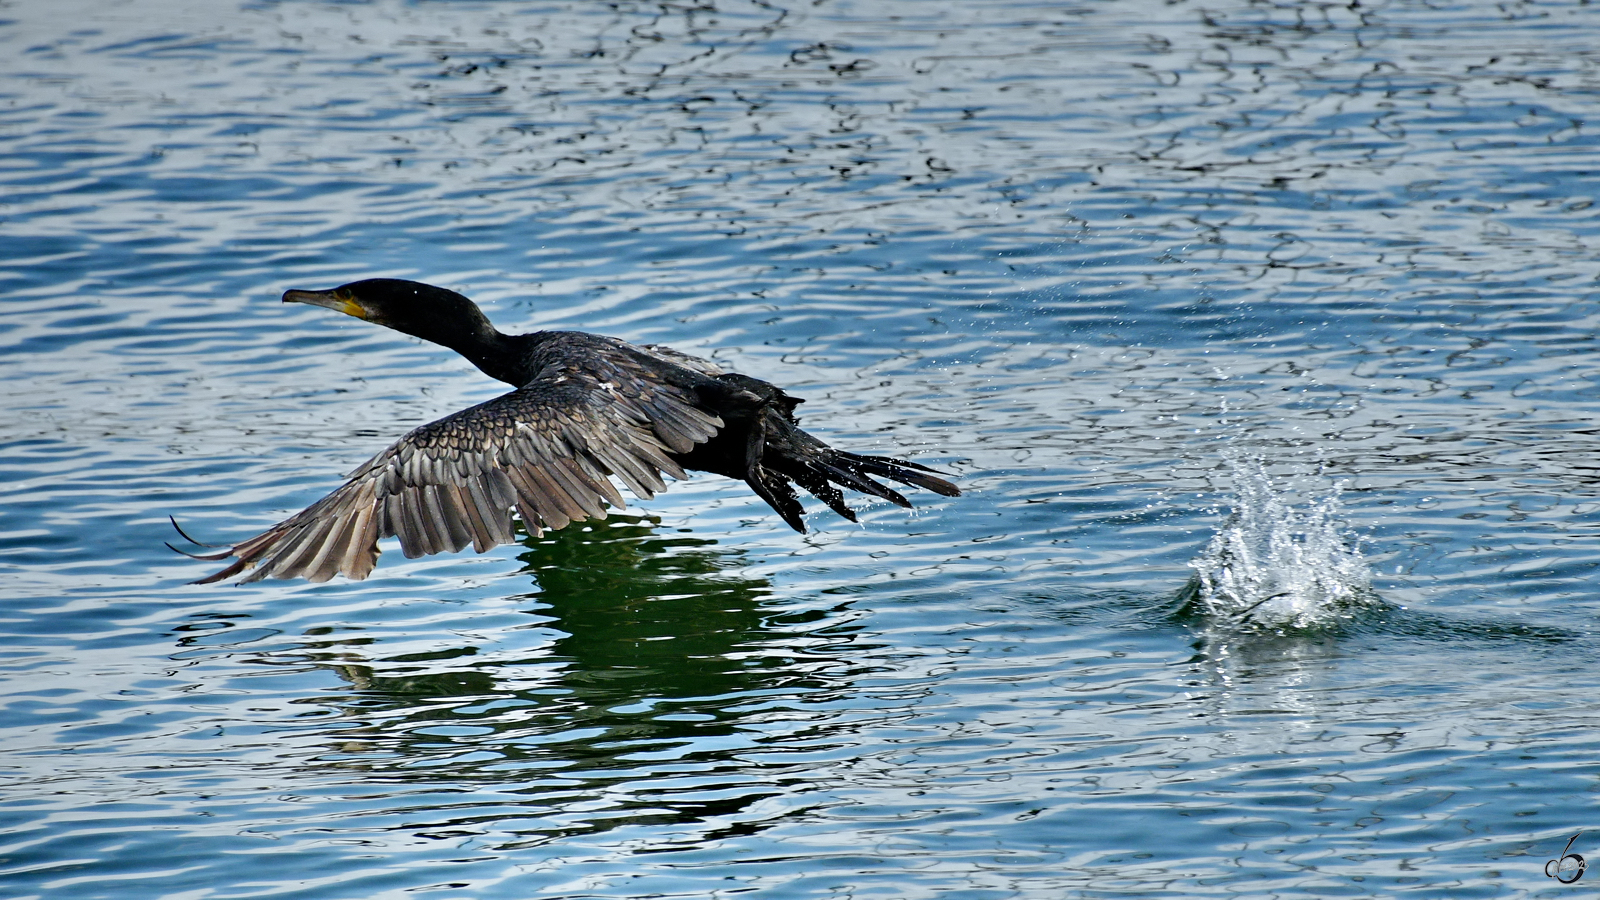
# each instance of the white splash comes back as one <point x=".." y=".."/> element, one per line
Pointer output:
<point x="1272" y="566"/>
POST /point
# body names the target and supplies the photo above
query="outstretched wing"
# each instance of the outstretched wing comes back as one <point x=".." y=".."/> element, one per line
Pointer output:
<point x="546" y="450"/>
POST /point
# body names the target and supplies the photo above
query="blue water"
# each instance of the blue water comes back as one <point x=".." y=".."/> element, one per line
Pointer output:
<point x="1093" y="259"/>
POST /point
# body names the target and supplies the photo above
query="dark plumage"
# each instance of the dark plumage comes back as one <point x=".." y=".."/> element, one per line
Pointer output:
<point x="586" y="407"/>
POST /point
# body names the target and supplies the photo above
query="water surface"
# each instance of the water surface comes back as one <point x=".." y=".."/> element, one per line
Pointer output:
<point x="1087" y="257"/>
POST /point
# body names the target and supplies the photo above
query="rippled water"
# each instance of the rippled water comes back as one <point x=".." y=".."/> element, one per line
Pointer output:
<point x="1080" y="255"/>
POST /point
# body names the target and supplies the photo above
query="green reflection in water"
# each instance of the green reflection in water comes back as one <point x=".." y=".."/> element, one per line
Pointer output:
<point x="656" y="657"/>
<point x="649" y="616"/>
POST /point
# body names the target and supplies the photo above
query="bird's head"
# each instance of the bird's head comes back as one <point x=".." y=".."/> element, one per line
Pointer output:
<point x="421" y="310"/>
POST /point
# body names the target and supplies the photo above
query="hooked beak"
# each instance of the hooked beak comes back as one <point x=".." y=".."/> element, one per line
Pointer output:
<point x="329" y="300"/>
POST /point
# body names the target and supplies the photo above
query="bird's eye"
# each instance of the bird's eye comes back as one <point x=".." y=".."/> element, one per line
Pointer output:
<point x="343" y="294"/>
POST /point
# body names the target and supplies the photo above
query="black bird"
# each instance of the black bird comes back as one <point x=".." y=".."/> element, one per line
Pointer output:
<point x="585" y="407"/>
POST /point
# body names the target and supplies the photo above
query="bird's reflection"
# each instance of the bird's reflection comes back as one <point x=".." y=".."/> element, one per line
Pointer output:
<point x="646" y="615"/>
<point x="633" y="617"/>
<point x="657" y="655"/>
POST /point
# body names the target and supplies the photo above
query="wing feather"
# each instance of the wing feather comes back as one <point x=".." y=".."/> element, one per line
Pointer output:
<point x="324" y="564"/>
<point x="451" y="509"/>
<point x="546" y="451"/>
<point x="412" y="533"/>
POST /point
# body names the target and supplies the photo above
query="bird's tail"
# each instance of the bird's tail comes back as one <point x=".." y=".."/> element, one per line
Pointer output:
<point x="786" y="454"/>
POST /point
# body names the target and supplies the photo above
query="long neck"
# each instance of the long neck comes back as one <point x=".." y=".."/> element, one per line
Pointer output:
<point x="496" y="355"/>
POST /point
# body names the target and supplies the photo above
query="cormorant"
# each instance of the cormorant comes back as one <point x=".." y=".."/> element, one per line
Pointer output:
<point x="585" y="407"/>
